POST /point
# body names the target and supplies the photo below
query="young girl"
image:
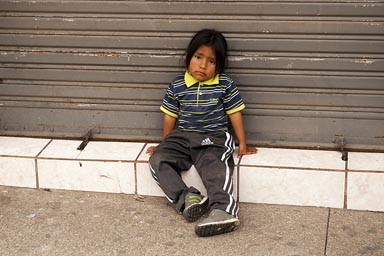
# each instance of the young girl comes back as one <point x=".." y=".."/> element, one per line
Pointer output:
<point x="197" y="107"/>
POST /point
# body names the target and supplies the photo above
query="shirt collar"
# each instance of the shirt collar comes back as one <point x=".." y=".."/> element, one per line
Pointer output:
<point x="190" y="80"/>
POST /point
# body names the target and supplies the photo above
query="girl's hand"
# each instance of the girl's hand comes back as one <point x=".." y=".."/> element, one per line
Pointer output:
<point x="150" y="150"/>
<point x="246" y="150"/>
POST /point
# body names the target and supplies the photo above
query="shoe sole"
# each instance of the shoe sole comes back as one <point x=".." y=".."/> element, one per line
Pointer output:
<point x="213" y="229"/>
<point x="195" y="211"/>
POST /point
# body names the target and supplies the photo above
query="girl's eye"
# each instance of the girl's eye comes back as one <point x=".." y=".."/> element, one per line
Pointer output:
<point x="197" y="56"/>
<point x="212" y="62"/>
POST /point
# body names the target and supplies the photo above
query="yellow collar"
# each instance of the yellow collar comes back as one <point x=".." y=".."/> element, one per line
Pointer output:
<point x="190" y="80"/>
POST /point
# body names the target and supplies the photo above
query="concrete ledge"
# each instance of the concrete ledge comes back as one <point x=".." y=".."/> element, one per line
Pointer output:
<point x="273" y="176"/>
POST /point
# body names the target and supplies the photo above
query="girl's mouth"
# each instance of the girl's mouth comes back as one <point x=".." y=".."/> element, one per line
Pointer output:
<point x="200" y="73"/>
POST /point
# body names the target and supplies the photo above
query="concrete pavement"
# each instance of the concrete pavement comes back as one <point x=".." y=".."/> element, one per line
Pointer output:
<point x="57" y="222"/>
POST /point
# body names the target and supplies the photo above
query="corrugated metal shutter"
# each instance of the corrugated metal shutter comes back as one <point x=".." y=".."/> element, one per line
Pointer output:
<point x="310" y="72"/>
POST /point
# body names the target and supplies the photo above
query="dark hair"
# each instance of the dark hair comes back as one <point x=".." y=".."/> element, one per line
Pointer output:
<point x="212" y="38"/>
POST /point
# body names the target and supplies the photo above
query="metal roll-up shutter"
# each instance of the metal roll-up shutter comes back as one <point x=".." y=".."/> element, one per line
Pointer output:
<point x="311" y="72"/>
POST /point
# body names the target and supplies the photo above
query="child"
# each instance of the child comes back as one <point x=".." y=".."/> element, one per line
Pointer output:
<point x="196" y="108"/>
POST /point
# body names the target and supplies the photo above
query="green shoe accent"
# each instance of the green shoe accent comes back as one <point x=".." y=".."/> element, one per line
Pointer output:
<point x="195" y="207"/>
<point x="194" y="199"/>
<point x="218" y="222"/>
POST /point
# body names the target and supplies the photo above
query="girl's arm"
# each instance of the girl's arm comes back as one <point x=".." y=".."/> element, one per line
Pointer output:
<point x="168" y="125"/>
<point x="237" y="123"/>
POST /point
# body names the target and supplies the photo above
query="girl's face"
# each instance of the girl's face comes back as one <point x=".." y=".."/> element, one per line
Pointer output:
<point x="203" y="63"/>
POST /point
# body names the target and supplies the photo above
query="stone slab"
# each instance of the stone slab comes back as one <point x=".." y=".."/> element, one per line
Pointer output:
<point x="365" y="191"/>
<point x="21" y="147"/>
<point x="366" y="161"/>
<point x="355" y="233"/>
<point x="19" y="172"/>
<point x="291" y="186"/>
<point x="297" y="158"/>
<point x="113" y="177"/>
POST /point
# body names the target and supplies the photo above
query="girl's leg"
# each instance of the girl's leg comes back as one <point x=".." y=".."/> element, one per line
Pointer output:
<point x="167" y="162"/>
<point x="215" y="165"/>
<point x="213" y="160"/>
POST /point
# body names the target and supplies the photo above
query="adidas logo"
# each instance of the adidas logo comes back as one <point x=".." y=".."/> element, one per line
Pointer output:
<point x="206" y="141"/>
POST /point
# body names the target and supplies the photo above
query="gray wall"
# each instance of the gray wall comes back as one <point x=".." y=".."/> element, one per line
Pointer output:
<point x="311" y="73"/>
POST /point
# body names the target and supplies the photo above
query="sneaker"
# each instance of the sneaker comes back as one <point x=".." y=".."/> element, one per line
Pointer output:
<point x="218" y="222"/>
<point x="195" y="207"/>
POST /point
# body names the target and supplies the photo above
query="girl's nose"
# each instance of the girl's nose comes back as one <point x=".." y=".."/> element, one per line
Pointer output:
<point x="203" y="64"/>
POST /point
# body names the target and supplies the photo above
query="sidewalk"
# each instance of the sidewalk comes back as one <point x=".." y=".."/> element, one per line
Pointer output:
<point x="56" y="222"/>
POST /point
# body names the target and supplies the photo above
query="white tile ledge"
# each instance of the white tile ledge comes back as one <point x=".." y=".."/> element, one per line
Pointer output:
<point x="136" y="152"/>
<point x="280" y="175"/>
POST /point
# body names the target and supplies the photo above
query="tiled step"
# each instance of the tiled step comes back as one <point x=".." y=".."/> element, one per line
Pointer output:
<point x="273" y="176"/>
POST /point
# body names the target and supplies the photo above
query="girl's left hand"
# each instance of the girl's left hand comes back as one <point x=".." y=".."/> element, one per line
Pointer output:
<point x="246" y="150"/>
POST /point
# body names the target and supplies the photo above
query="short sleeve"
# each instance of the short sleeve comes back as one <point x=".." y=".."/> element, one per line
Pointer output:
<point x="232" y="100"/>
<point x="170" y="105"/>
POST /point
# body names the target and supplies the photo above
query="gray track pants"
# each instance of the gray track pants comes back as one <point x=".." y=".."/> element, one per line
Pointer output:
<point x="210" y="153"/>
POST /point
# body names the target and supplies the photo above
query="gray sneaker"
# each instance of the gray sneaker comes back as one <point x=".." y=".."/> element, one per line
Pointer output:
<point x="195" y="207"/>
<point x="218" y="222"/>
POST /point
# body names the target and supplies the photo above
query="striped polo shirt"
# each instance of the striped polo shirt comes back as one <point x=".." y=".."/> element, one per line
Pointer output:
<point x="202" y="106"/>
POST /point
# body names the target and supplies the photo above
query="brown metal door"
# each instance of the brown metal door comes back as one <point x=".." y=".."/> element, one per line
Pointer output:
<point x="311" y="73"/>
